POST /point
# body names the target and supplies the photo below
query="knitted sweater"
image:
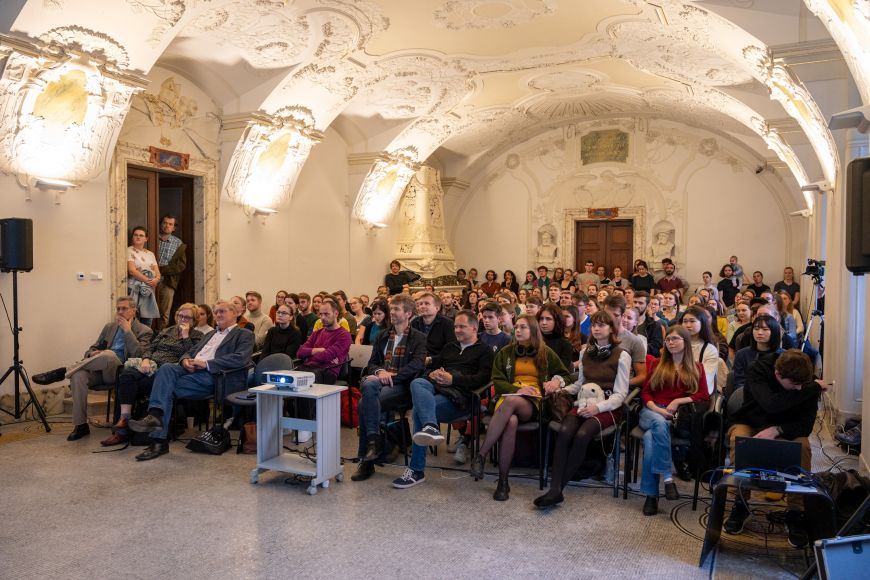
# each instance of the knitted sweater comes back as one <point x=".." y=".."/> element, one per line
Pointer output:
<point x="168" y="347"/>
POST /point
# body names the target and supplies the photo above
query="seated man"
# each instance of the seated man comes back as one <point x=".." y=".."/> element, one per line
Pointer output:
<point x="445" y="394"/>
<point x="397" y="358"/>
<point x="493" y="336"/>
<point x="123" y="338"/>
<point x="437" y="327"/>
<point x="255" y="315"/>
<point x="448" y="305"/>
<point x="225" y="348"/>
<point x="136" y="381"/>
<point x="326" y="349"/>
<point x="780" y="401"/>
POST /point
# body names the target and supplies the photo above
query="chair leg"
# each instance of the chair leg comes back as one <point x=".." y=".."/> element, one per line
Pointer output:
<point x="616" y="452"/>
<point x="541" y="456"/>
<point x="108" y="403"/>
<point x="629" y="448"/>
<point x="547" y="455"/>
<point x="449" y="429"/>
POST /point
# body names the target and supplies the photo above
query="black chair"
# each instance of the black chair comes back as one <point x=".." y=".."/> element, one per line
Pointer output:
<point x="534" y="425"/>
<point x="110" y="389"/>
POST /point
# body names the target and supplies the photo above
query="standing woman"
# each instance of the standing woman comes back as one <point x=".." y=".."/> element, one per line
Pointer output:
<point x="643" y="280"/>
<point x="788" y="284"/>
<point x="676" y="379"/>
<point x="705" y="346"/>
<point x="377" y="321"/>
<point x="530" y="281"/>
<point x="491" y="286"/>
<point x="143" y="275"/>
<point x="521" y="373"/>
<point x="728" y="286"/>
<point x="606" y="365"/>
<point x="510" y="282"/>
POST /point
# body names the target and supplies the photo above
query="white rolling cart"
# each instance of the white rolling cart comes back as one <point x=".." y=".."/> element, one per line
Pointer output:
<point x="326" y="424"/>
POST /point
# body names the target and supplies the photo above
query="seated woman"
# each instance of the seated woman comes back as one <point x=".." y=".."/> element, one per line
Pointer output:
<point x="284" y="337"/>
<point x="606" y="365"/>
<point x="705" y="345"/>
<point x="204" y="319"/>
<point x="374" y="323"/>
<point x="571" y="319"/>
<point x="669" y="313"/>
<point x="766" y="336"/>
<point x="279" y="300"/>
<point x="676" y="380"/>
<point x="530" y="281"/>
<point x="642" y="279"/>
<point x="521" y="373"/>
<point x="136" y="379"/>
<point x="789" y="305"/>
<point x="568" y="282"/>
<point x="553" y="330"/>
<point x="510" y="281"/>
<point x="629" y="321"/>
<point x="240" y="308"/>
<point x="299" y="321"/>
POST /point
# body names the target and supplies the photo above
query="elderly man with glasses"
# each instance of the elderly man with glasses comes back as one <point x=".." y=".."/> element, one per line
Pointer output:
<point x="123" y="338"/>
<point x="226" y="348"/>
<point x="136" y="379"/>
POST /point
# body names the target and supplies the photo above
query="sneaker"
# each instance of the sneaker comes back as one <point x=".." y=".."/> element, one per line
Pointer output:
<point x="409" y="479"/>
<point x="460" y="456"/>
<point x="429" y="435"/>
<point x="852" y="437"/>
<point x="797" y="532"/>
<point x="739" y="515"/>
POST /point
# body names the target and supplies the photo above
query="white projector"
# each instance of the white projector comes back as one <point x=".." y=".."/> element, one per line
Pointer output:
<point x="289" y="380"/>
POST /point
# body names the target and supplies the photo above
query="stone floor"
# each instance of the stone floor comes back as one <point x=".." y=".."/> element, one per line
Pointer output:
<point x="69" y="511"/>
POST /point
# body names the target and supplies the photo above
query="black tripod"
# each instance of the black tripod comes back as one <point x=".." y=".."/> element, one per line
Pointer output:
<point x="17" y="368"/>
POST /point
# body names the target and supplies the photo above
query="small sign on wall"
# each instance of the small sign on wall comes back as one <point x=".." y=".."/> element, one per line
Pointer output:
<point x="169" y="159"/>
<point x="600" y="146"/>
<point x="602" y="213"/>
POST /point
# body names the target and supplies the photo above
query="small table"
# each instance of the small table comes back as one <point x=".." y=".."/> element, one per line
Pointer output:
<point x="819" y="511"/>
<point x="326" y="424"/>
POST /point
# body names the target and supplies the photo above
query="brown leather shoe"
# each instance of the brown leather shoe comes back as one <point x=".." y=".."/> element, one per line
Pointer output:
<point x="121" y="425"/>
<point x="114" y="439"/>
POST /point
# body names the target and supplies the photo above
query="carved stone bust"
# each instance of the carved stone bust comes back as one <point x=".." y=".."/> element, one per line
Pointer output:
<point x="547" y="250"/>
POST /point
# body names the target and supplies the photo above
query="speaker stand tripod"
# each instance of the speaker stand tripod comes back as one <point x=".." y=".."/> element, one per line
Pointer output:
<point x="17" y="368"/>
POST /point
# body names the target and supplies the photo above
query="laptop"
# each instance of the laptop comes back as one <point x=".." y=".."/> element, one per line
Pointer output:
<point x="771" y="454"/>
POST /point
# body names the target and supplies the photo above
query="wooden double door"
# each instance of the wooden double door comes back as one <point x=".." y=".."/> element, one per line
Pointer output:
<point x="607" y="243"/>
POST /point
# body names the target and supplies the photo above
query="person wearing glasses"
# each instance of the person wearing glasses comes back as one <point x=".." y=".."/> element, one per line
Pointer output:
<point x="122" y="338"/>
<point x="227" y="348"/>
<point x="137" y="377"/>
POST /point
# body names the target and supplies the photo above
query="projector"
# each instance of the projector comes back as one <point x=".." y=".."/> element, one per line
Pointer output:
<point x="289" y="380"/>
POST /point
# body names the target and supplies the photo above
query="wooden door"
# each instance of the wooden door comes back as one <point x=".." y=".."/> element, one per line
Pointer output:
<point x="606" y="242"/>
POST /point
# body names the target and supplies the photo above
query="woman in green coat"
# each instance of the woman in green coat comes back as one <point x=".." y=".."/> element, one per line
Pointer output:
<point x="523" y="372"/>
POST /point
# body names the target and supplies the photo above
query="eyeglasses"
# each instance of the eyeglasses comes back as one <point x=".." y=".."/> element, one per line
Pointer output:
<point x="673" y="339"/>
<point x="183" y="317"/>
<point x="282" y="313"/>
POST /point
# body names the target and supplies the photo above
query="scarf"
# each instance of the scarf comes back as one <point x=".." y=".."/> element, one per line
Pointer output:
<point x="394" y="350"/>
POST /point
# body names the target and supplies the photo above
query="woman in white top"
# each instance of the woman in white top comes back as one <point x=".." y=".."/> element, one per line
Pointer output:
<point x="629" y="322"/>
<point x="705" y="349"/>
<point x="204" y="319"/>
<point x="143" y="275"/>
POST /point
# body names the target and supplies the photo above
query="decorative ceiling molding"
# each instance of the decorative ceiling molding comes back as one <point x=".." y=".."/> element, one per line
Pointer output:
<point x="849" y="25"/>
<point x="807" y="52"/>
<point x="491" y="14"/>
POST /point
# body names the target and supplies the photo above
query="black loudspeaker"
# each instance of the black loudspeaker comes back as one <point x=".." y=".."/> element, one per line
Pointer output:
<point x="16" y="244"/>
<point x="858" y="216"/>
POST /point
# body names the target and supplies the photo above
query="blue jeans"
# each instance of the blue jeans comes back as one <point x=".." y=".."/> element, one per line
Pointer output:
<point x="375" y="399"/>
<point x="173" y="381"/>
<point x="656" y="450"/>
<point x="430" y="408"/>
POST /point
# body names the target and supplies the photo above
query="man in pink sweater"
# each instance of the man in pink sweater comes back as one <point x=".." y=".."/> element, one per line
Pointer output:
<point x="326" y="349"/>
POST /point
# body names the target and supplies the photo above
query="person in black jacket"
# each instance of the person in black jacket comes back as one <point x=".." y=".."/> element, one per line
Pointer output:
<point x="284" y="337"/>
<point x="398" y="357"/>
<point x="553" y="329"/>
<point x="649" y="326"/>
<point x="444" y="395"/>
<point x="780" y="401"/>
<point x="398" y="278"/>
<point x="437" y="327"/>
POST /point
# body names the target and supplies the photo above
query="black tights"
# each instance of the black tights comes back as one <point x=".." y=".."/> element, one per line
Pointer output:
<point x="503" y="429"/>
<point x="571" y="445"/>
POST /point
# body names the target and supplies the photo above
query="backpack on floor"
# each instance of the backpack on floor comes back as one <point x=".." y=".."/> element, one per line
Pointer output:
<point x="350" y="407"/>
<point x="213" y="442"/>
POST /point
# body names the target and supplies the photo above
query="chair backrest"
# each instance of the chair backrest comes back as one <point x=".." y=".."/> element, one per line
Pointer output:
<point x="359" y="355"/>
<point x="274" y="362"/>
<point x="735" y="401"/>
<point x="722" y="374"/>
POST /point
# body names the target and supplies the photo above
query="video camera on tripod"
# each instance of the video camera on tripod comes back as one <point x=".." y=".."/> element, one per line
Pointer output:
<point x="815" y="269"/>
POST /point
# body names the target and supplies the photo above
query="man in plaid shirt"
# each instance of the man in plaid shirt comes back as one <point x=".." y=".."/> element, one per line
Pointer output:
<point x="172" y="259"/>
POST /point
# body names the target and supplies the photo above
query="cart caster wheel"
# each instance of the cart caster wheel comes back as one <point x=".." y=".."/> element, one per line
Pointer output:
<point x="312" y="490"/>
<point x="325" y="484"/>
<point x="339" y="478"/>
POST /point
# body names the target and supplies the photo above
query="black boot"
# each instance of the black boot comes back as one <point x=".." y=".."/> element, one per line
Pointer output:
<point x="363" y="471"/>
<point x="502" y="490"/>
<point x="650" y="506"/>
<point x="375" y="446"/>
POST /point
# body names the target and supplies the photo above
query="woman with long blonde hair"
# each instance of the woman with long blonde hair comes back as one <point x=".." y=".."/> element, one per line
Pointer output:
<point x="522" y="372"/>
<point x="676" y="379"/>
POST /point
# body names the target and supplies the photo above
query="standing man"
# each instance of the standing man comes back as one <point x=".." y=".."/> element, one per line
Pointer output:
<point x="588" y="276"/>
<point x="670" y="282"/>
<point x="172" y="259"/>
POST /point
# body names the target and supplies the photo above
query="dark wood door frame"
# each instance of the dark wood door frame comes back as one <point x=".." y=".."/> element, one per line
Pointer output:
<point x="605" y="242"/>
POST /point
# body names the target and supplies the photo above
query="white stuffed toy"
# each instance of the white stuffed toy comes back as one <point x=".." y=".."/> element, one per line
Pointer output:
<point x="590" y="394"/>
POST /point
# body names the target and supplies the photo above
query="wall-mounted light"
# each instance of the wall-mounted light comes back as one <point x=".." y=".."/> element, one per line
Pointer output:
<point x="269" y="157"/>
<point x="49" y="185"/>
<point x="383" y="187"/>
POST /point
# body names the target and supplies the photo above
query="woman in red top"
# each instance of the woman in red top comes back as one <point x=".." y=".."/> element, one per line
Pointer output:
<point x="674" y="381"/>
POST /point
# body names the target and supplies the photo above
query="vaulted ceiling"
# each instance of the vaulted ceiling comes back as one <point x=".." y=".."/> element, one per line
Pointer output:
<point x="463" y="79"/>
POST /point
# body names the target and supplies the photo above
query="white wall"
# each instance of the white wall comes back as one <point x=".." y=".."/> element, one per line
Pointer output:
<point x="704" y="184"/>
